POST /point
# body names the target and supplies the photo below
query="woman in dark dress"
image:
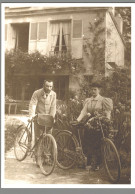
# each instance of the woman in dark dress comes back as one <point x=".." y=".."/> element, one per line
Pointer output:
<point x="97" y="104"/>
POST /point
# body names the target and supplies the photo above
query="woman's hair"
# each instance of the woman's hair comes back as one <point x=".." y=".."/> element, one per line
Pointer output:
<point x="96" y="85"/>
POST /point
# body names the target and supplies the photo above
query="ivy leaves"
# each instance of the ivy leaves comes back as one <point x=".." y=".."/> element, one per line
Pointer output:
<point x="19" y="62"/>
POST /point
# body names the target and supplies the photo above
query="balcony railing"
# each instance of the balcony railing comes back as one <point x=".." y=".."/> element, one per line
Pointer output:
<point x="63" y="53"/>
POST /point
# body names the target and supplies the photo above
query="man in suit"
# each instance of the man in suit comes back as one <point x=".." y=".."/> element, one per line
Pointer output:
<point x="43" y="101"/>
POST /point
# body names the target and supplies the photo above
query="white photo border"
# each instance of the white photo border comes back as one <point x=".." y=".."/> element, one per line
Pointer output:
<point x="132" y="185"/>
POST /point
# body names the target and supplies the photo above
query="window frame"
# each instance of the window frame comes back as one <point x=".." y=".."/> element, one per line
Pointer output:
<point x="37" y="39"/>
<point x="6" y="32"/>
<point x="60" y="21"/>
<point x="30" y="31"/>
<point x="73" y="28"/>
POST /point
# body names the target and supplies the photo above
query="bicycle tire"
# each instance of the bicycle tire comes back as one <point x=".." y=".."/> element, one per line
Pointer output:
<point x="21" y="144"/>
<point x="111" y="160"/>
<point x="66" y="144"/>
<point x="47" y="154"/>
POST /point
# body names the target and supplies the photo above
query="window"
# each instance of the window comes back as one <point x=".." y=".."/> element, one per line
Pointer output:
<point x="77" y="29"/>
<point x="20" y="36"/>
<point x="5" y="32"/>
<point x="33" y="35"/>
<point x="60" y="38"/>
<point x="42" y="33"/>
<point x="38" y="31"/>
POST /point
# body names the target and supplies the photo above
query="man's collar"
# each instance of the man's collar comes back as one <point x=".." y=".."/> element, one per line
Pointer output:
<point x="43" y="92"/>
<point x="49" y="93"/>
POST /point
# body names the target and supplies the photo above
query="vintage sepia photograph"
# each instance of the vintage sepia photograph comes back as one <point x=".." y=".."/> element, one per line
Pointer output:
<point x="67" y="100"/>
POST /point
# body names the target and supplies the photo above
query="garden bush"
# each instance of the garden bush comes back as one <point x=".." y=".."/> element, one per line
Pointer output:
<point x="11" y="126"/>
<point x="117" y="87"/>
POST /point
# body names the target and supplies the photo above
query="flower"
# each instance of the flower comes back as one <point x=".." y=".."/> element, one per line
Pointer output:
<point x="73" y="68"/>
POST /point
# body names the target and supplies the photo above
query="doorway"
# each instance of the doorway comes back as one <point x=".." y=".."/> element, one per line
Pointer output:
<point x="21" y="32"/>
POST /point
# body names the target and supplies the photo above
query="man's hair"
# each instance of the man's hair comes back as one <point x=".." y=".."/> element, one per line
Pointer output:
<point x="48" y="80"/>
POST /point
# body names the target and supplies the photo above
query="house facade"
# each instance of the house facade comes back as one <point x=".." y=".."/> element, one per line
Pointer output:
<point x="62" y="31"/>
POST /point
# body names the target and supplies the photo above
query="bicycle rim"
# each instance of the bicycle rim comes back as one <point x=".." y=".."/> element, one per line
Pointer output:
<point x="47" y="154"/>
<point x="66" y="145"/>
<point x="21" y="144"/>
<point x="111" y="160"/>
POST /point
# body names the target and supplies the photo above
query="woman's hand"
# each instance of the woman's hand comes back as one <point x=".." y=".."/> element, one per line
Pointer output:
<point x="74" y="122"/>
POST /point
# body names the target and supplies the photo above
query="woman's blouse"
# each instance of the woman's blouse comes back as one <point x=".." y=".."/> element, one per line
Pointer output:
<point x="98" y="104"/>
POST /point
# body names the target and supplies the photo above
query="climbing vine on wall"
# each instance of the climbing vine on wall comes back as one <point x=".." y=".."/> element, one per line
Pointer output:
<point x="94" y="45"/>
<point x="19" y="62"/>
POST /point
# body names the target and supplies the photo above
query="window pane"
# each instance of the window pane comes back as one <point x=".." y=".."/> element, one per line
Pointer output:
<point x="33" y="35"/>
<point x="77" y="28"/>
<point x="64" y="48"/>
<point x="57" y="43"/>
<point x="5" y="32"/>
<point x="42" y="30"/>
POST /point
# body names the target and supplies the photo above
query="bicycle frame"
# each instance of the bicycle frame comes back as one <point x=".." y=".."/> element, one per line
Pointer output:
<point x="108" y="150"/>
<point x="81" y="126"/>
<point x="101" y="128"/>
<point x="30" y="127"/>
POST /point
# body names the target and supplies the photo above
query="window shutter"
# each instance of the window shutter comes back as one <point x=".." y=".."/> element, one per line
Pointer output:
<point x="33" y="35"/>
<point x="5" y="32"/>
<point x="77" y="29"/>
<point x="42" y="33"/>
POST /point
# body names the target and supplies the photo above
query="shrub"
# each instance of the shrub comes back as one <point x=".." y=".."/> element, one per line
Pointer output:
<point x="117" y="87"/>
<point x="11" y="126"/>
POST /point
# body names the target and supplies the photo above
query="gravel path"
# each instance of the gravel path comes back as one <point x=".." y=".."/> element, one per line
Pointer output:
<point x="27" y="172"/>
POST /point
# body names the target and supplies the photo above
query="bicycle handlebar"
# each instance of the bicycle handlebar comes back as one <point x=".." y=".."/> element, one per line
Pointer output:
<point x="32" y="119"/>
<point x="74" y="123"/>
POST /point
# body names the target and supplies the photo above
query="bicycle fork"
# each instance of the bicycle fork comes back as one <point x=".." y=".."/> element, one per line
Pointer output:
<point x="79" y="152"/>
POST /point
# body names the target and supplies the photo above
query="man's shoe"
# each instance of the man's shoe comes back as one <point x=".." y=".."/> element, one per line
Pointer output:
<point x="82" y="166"/>
<point x="93" y="168"/>
<point x="88" y="167"/>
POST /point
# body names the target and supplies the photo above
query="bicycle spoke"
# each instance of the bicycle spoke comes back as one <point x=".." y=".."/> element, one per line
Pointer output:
<point x="47" y="154"/>
<point x="112" y="162"/>
<point x="21" y="144"/>
<point x="66" y="150"/>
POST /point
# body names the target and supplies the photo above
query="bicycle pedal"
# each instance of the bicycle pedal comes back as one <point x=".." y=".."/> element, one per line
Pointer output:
<point x="32" y="155"/>
<point x="28" y="154"/>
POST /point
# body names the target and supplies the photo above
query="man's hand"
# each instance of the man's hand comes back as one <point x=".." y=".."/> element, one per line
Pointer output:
<point x="31" y="118"/>
<point x="88" y="114"/>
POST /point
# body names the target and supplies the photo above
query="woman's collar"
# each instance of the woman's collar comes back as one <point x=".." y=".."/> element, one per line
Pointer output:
<point x="96" y="98"/>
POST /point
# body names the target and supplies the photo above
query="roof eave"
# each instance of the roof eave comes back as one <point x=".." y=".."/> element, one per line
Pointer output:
<point x="53" y="10"/>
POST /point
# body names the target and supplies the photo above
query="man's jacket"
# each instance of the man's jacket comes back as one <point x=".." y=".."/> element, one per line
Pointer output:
<point x="42" y="103"/>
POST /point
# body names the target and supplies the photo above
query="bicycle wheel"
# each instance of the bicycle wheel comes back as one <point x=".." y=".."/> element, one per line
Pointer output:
<point x="47" y="154"/>
<point x="21" y="144"/>
<point x="111" y="160"/>
<point x="66" y="144"/>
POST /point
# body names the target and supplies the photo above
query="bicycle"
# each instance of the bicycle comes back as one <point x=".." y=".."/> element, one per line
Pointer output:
<point x="70" y="147"/>
<point x="46" y="144"/>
